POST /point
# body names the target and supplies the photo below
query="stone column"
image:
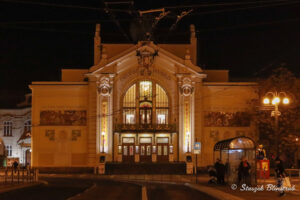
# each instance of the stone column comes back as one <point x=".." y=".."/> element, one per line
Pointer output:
<point x="105" y="115"/>
<point x="186" y="115"/>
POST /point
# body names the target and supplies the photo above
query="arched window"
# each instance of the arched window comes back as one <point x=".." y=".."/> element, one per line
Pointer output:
<point x="129" y="105"/>
<point x="162" y="105"/>
<point x="146" y="103"/>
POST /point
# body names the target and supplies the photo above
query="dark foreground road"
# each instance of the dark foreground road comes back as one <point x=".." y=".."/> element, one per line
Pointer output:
<point x="92" y="189"/>
<point x="64" y="188"/>
<point x="174" y="192"/>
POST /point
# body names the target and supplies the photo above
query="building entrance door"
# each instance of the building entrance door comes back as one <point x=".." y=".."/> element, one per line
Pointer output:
<point x="145" y="155"/>
<point x="128" y="150"/>
<point x="145" y="149"/>
<point x="28" y="157"/>
<point x="162" y="149"/>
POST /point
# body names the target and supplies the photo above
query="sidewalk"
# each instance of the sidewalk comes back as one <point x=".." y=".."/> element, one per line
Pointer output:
<point x="258" y="195"/>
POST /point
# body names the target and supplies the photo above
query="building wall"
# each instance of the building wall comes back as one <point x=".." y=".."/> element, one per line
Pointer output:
<point x="192" y="101"/>
<point x="219" y="100"/>
<point x="60" y="124"/>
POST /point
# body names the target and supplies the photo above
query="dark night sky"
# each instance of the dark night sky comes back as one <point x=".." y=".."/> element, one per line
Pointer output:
<point x="250" y="38"/>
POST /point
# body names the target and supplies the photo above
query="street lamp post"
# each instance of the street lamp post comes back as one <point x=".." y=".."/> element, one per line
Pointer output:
<point x="276" y="97"/>
<point x="188" y="141"/>
<point x="103" y="135"/>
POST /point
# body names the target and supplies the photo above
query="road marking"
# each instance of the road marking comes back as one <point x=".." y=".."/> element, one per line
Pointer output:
<point x="85" y="191"/>
<point x="144" y="193"/>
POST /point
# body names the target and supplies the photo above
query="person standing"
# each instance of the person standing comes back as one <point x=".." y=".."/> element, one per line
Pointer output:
<point x="15" y="165"/>
<point x="280" y="174"/>
<point x="220" y="168"/>
<point x="243" y="171"/>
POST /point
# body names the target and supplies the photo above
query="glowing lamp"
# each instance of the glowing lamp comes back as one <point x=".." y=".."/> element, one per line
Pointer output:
<point x="286" y="100"/>
<point x="276" y="100"/>
<point x="266" y="101"/>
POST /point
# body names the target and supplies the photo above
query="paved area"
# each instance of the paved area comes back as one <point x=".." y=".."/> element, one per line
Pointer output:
<point x="12" y="187"/>
<point x="174" y="192"/>
<point x="56" y="189"/>
<point x="77" y="187"/>
<point x="110" y="190"/>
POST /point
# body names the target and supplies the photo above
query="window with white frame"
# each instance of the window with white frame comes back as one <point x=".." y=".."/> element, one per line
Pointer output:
<point x="7" y="128"/>
<point x="129" y="104"/>
<point x="27" y="126"/>
<point x="142" y="91"/>
<point x="8" y="150"/>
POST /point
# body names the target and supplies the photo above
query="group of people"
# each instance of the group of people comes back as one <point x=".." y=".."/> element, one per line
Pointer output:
<point x="219" y="170"/>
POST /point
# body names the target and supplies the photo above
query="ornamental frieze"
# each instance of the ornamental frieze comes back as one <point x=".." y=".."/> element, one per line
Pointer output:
<point x="227" y="119"/>
<point x="63" y="117"/>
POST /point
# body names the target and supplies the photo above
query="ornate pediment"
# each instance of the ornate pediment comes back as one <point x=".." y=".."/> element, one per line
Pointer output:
<point x="146" y="58"/>
<point x="145" y="55"/>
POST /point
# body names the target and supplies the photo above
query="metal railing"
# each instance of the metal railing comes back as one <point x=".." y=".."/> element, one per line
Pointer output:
<point x="295" y="172"/>
<point x="145" y="127"/>
<point x="18" y="176"/>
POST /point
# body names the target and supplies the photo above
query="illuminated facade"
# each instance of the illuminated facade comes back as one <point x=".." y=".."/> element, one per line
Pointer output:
<point x="15" y="132"/>
<point x="140" y="102"/>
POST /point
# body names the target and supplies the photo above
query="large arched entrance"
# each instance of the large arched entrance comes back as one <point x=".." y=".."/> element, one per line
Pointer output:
<point x="145" y="116"/>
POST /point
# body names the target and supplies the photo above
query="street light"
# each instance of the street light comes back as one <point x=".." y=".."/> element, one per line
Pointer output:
<point x="103" y="134"/>
<point x="275" y="98"/>
<point x="188" y="141"/>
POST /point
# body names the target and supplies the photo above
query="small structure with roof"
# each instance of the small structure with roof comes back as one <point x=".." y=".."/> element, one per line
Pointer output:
<point x="231" y="152"/>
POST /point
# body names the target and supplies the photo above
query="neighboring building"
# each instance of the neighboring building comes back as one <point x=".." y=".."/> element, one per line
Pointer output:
<point x="15" y="132"/>
<point x="140" y="102"/>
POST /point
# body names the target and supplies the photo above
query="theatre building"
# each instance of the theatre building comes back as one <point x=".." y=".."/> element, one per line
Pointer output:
<point x="141" y="102"/>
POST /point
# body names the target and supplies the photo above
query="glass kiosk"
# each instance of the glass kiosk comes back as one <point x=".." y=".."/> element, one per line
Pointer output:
<point x="231" y="152"/>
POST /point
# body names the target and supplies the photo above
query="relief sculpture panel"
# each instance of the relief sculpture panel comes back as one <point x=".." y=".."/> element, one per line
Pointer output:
<point x="227" y="119"/>
<point x="63" y="117"/>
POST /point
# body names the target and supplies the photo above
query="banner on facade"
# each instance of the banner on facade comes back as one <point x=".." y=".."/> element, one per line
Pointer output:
<point x="197" y="148"/>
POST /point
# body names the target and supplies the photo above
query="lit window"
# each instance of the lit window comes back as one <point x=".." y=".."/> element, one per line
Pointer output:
<point x="141" y="95"/>
<point x="9" y="150"/>
<point x="129" y="118"/>
<point x="161" y="119"/>
<point x="7" y="128"/>
<point x="129" y="104"/>
<point x="145" y="90"/>
<point x="162" y="105"/>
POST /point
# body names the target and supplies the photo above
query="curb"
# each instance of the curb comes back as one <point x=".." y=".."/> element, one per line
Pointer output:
<point x="17" y="187"/>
